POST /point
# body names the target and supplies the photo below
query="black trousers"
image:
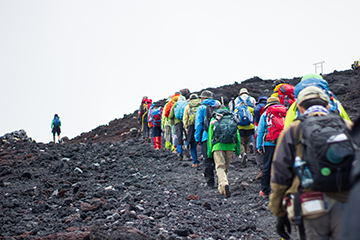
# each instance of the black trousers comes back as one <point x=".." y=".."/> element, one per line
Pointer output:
<point x="209" y="166"/>
<point x="265" y="178"/>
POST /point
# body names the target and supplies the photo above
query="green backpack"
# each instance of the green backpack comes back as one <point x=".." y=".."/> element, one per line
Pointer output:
<point x="225" y="127"/>
<point x="192" y="114"/>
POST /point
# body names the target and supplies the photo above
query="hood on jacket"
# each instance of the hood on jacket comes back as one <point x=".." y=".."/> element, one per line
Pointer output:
<point x="194" y="102"/>
<point x="209" y="101"/>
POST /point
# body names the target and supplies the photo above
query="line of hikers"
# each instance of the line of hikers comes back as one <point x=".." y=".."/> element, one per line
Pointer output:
<point x="300" y="137"/>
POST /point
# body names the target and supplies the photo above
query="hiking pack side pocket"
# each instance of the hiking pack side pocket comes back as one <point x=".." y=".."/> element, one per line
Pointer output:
<point x="312" y="205"/>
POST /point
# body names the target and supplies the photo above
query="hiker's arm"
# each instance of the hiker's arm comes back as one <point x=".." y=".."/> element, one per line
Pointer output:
<point x="282" y="175"/>
<point x="260" y="132"/>
<point x="199" y="120"/>
<point x="238" y="144"/>
<point x="209" y="143"/>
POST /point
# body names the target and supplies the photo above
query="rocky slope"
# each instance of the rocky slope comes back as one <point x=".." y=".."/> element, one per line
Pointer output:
<point x="110" y="184"/>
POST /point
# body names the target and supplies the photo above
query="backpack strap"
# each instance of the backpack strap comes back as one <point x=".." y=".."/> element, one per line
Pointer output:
<point x="298" y="221"/>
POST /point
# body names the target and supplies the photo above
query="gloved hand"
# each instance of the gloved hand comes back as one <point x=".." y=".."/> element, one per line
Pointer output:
<point x="283" y="222"/>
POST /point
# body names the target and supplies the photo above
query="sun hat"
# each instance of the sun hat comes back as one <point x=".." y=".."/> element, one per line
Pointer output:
<point x="272" y="101"/>
<point x="311" y="92"/>
<point x="206" y="94"/>
<point x="193" y="96"/>
<point x="243" y="90"/>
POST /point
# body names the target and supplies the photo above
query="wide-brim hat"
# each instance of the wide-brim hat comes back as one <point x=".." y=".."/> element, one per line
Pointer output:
<point x="243" y="90"/>
<point x="272" y="101"/>
<point x="206" y="94"/>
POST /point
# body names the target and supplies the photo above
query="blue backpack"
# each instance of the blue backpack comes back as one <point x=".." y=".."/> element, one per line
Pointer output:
<point x="56" y="122"/>
<point x="179" y="109"/>
<point x="155" y="116"/>
<point x="321" y="83"/>
<point x="247" y="101"/>
<point x="242" y="114"/>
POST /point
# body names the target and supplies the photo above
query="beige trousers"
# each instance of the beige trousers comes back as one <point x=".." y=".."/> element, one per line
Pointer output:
<point x="222" y="161"/>
<point x="327" y="226"/>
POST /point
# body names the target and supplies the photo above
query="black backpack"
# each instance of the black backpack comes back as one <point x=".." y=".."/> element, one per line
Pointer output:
<point x="208" y="115"/>
<point x="328" y="151"/>
<point x="225" y="127"/>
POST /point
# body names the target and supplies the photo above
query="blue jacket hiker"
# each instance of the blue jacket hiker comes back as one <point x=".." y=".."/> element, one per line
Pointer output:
<point x="222" y="143"/>
<point x="55" y="127"/>
<point x="201" y="135"/>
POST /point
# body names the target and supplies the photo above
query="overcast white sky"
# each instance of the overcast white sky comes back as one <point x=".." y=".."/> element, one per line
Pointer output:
<point x="92" y="61"/>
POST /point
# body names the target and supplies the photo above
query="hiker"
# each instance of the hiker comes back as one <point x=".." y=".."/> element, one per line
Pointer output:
<point x="310" y="170"/>
<point x="167" y="110"/>
<point x="154" y="120"/>
<point x="223" y="141"/>
<point x="258" y="111"/>
<point x="201" y="134"/>
<point x="189" y="126"/>
<point x="176" y="115"/>
<point x="244" y="96"/>
<point x="55" y="127"/>
<point x="313" y="79"/>
<point x="143" y="117"/>
<point x="166" y="126"/>
<point x="270" y="125"/>
<point x="244" y="116"/>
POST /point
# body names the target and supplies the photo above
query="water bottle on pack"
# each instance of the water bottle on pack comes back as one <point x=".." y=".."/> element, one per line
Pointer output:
<point x="303" y="172"/>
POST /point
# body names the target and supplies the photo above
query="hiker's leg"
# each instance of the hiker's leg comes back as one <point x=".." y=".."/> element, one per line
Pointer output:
<point x="265" y="178"/>
<point x="220" y="166"/>
<point x="179" y="134"/>
<point x="208" y="167"/>
<point x="193" y="152"/>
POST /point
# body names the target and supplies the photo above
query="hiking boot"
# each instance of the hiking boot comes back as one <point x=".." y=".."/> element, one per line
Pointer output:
<point x="187" y="154"/>
<point x="260" y="174"/>
<point x="251" y="148"/>
<point x="227" y="192"/>
<point x="180" y="157"/>
<point x="244" y="159"/>
<point x="262" y="194"/>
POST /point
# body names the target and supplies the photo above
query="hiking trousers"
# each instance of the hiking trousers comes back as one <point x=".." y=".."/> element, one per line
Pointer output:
<point x="193" y="152"/>
<point x="245" y="139"/>
<point x="167" y="133"/>
<point x="267" y="160"/>
<point x="156" y="134"/>
<point x="222" y="161"/>
<point x="145" y="128"/>
<point x="209" y="166"/>
<point x="179" y="129"/>
<point x="327" y="226"/>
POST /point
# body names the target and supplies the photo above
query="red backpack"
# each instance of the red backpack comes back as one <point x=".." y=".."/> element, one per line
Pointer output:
<point x="286" y="95"/>
<point x="275" y="118"/>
